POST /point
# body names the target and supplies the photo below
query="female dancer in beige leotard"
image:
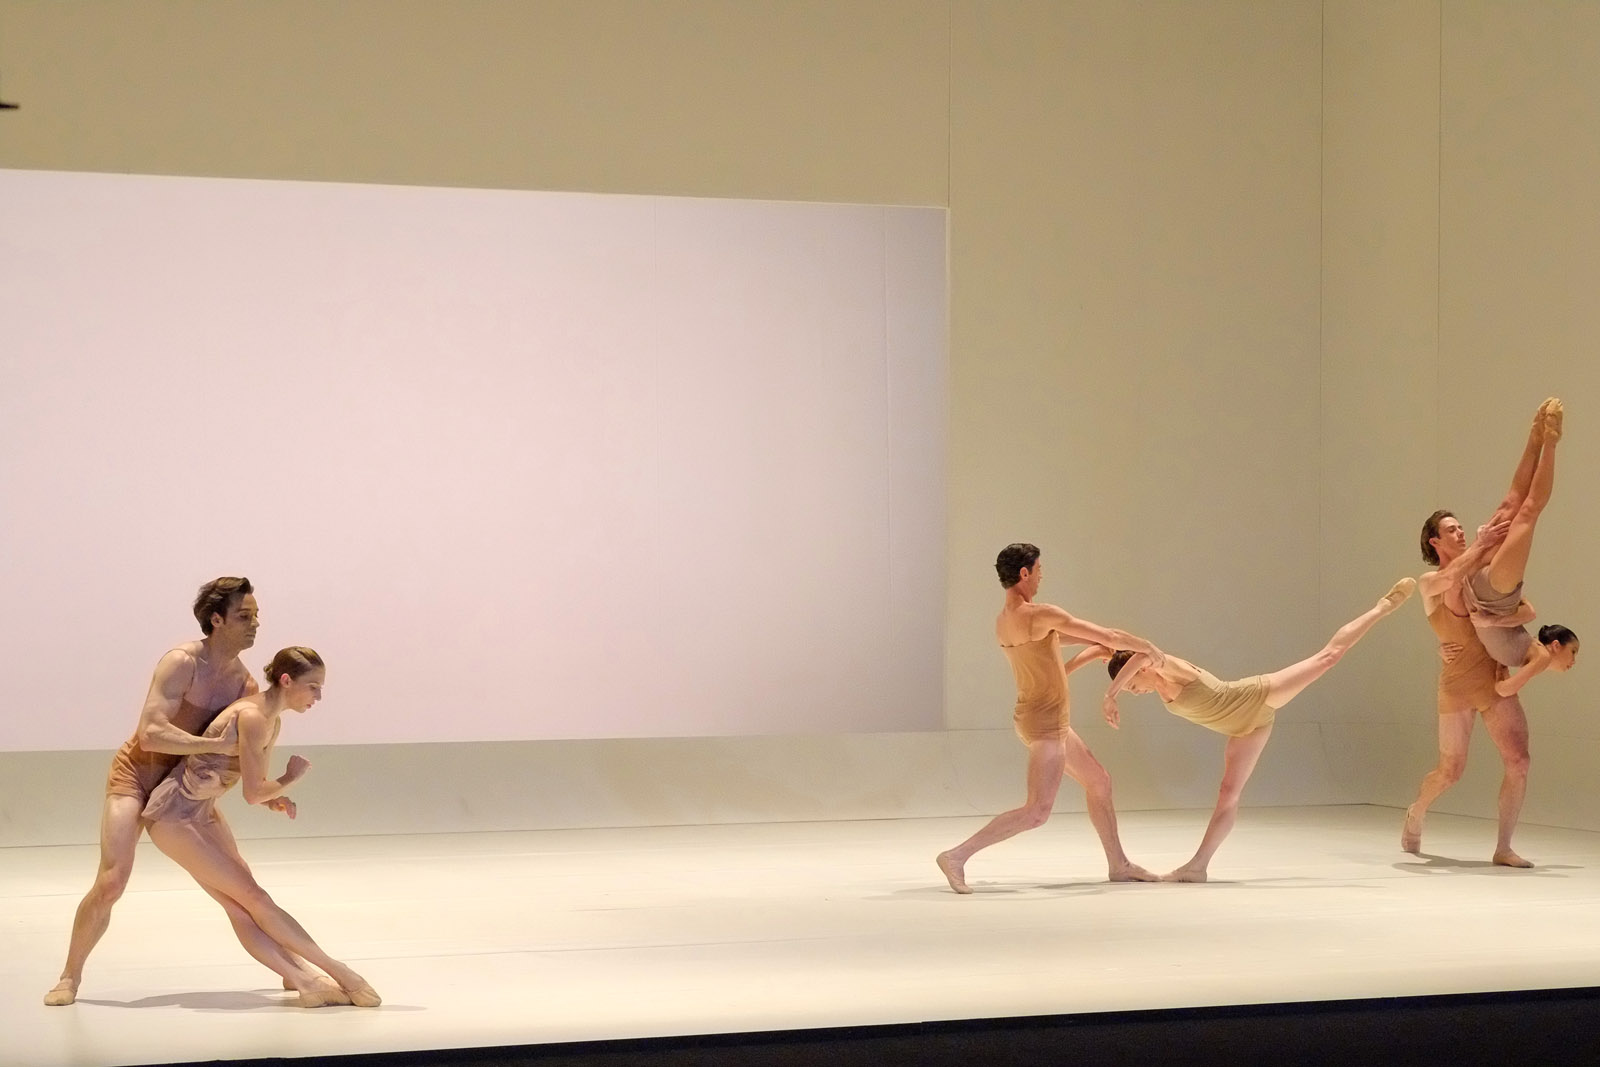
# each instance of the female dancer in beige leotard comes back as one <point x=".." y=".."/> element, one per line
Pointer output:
<point x="184" y="823"/>
<point x="1243" y="710"/>
<point x="1493" y="592"/>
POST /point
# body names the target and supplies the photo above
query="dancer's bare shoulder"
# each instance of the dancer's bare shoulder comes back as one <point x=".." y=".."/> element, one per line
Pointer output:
<point x="1024" y="623"/>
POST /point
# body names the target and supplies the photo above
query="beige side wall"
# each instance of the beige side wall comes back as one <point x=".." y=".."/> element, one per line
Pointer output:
<point x="1519" y="296"/>
<point x="1380" y="346"/>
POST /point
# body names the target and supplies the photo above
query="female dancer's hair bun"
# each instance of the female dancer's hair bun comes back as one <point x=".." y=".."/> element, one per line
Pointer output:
<point x="296" y="660"/>
<point x="1556" y="633"/>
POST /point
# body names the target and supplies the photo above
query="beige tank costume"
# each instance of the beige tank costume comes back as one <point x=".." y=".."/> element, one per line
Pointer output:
<point x="1466" y="679"/>
<point x="1232" y="708"/>
<point x="1042" y="712"/>
<point x="190" y="792"/>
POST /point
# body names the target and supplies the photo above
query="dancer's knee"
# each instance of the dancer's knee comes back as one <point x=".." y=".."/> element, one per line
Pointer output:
<point x="109" y="884"/>
<point x="1451" y="768"/>
<point x="1035" y="816"/>
<point x="1516" y="764"/>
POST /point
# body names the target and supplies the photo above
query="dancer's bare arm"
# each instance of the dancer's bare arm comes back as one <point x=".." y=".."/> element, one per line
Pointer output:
<point x="256" y="737"/>
<point x="1092" y="654"/>
<point x="1435" y="583"/>
<point x="1047" y="617"/>
<point x="1136" y="662"/>
<point x="1521" y="617"/>
<point x="174" y="674"/>
<point x="1538" y="660"/>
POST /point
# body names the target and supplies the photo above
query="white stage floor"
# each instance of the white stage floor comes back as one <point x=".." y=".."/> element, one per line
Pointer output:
<point x="523" y="938"/>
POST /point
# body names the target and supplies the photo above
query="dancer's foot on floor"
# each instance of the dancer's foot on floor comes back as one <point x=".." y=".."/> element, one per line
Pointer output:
<point x="954" y="873"/>
<point x="1411" y="834"/>
<point x="65" y="992"/>
<point x="323" y="993"/>
<point x="1507" y="858"/>
<point x="1132" y="872"/>
<point x="1185" y="874"/>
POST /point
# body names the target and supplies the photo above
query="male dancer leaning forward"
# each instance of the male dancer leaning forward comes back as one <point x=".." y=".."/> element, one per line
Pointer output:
<point x="1030" y="635"/>
<point x="1467" y="684"/>
<point x="192" y="684"/>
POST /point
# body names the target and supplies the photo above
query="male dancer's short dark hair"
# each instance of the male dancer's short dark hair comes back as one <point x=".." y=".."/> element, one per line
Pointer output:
<point x="1430" y="530"/>
<point x="1011" y="561"/>
<point x="216" y="597"/>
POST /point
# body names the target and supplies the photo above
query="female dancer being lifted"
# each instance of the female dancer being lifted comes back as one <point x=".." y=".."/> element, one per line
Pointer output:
<point x="1243" y="710"/>
<point x="1493" y="592"/>
<point x="185" y="824"/>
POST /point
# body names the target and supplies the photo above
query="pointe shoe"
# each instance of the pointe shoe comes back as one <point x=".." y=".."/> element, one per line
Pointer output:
<point x="1553" y="416"/>
<point x="364" y="996"/>
<point x="59" y="997"/>
<point x="1401" y="591"/>
<point x="324" y="994"/>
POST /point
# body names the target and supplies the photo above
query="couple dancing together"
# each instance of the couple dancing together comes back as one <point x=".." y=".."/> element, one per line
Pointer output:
<point x="205" y="727"/>
<point x="1474" y="604"/>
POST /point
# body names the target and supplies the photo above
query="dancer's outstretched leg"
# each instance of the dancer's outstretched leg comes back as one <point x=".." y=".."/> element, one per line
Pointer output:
<point x="1087" y="772"/>
<point x="214" y="868"/>
<point x="1045" y="762"/>
<point x="1283" y="686"/>
<point x="1238" y="762"/>
<point x="1510" y="560"/>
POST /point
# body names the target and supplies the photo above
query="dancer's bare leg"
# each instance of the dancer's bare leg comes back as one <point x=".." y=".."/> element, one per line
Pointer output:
<point x="1510" y="560"/>
<point x="1045" y="762"/>
<point x="1087" y="772"/>
<point x="119" y="833"/>
<point x="1455" y="733"/>
<point x="1283" y="686"/>
<point x="1522" y="477"/>
<point x="315" y="988"/>
<point x="1508" y="727"/>
<point x="215" y="868"/>
<point x="1238" y="761"/>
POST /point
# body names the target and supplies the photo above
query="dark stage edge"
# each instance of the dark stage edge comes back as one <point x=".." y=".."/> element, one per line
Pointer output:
<point x="1537" y="1028"/>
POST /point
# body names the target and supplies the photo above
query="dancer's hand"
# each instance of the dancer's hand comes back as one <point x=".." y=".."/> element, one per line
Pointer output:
<point x="228" y="740"/>
<point x="283" y="804"/>
<point x="1491" y="534"/>
<point x="296" y="770"/>
<point x="1112" y="713"/>
<point x="1449" y="651"/>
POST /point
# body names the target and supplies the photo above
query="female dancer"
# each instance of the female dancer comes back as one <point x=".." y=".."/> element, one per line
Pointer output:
<point x="1556" y="650"/>
<point x="1244" y="710"/>
<point x="1493" y="593"/>
<point x="185" y="824"/>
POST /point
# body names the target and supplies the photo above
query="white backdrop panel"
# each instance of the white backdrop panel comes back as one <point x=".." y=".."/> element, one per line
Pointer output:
<point x="521" y="465"/>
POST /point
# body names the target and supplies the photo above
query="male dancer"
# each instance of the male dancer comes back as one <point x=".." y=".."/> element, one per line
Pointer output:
<point x="1467" y="683"/>
<point x="192" y="684"/>
<point x="1030" y="635"/>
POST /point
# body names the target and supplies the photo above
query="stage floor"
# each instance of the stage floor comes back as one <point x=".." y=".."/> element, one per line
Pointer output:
<point x="554" y="936"/>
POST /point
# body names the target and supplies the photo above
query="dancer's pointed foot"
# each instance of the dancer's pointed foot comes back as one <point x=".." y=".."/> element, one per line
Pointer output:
<point x="64" y="992"/>
<point x="1132" y="872"/>
<point x="1399" y="593"/>
<point x="1553" y="416"/>
<point x="955" y="873"/>
<point x="1506" y="858"/>
<point x="363" y="995"/>
<point x="1411" y="834"/>
<point x="323" y="993"/>
<point x="1185" y="874"/>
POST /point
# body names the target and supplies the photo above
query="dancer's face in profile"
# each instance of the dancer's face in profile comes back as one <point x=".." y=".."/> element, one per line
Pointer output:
<point x="1452" y="539"/>
<point x="302" y="692"/>
<point x="1029" y="579"/>
<point x="238" y="628"/>
<point x="1563" y="657"/>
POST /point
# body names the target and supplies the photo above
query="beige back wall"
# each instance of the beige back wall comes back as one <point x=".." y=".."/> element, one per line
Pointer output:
<point x="1195" y="286"/>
